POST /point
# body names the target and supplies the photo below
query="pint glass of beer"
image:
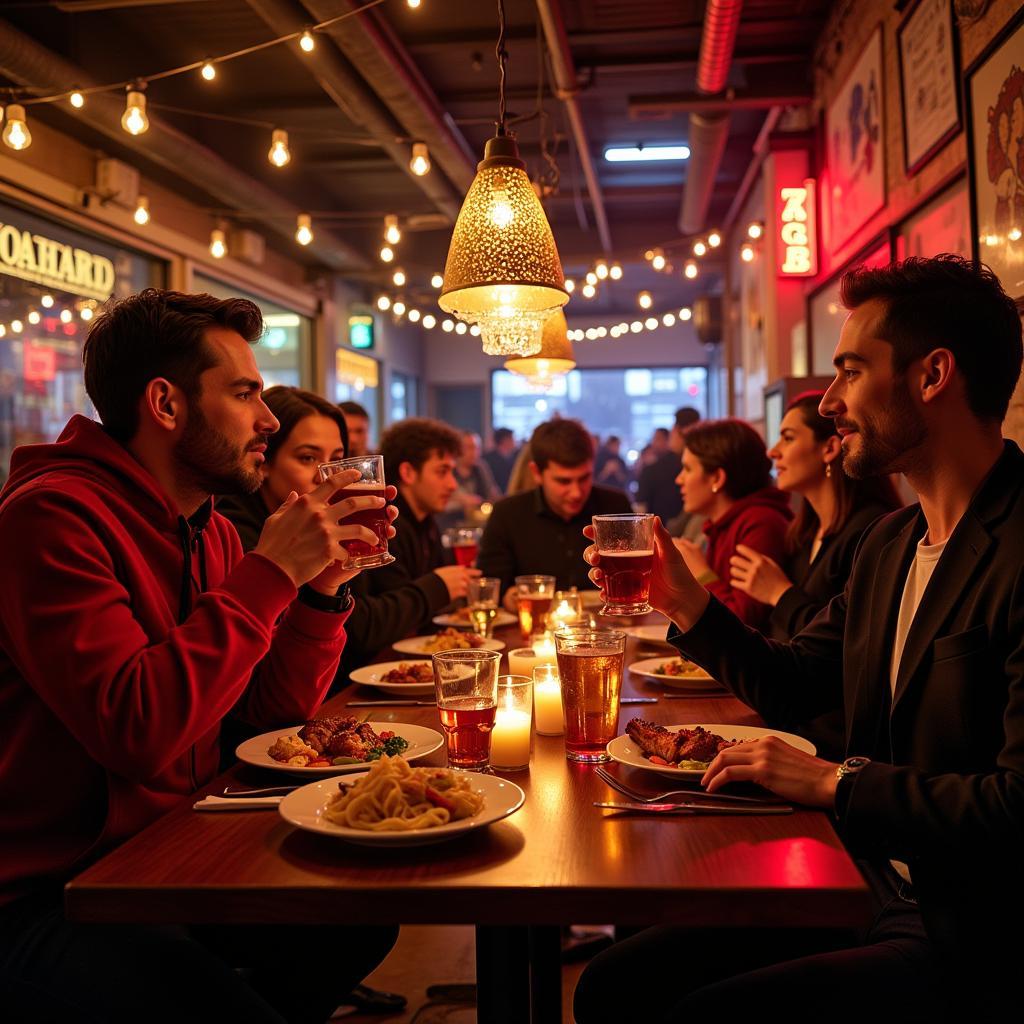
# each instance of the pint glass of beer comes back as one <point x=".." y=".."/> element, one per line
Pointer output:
<point x="590" y="665"/>
<point x="482" y="595"/>
<point x="534" y="594"/>
<point x="372" y="485"/>
<point x="464" y="543"/>
<point x="466" y="684"/>
<point x="626" y="546"/>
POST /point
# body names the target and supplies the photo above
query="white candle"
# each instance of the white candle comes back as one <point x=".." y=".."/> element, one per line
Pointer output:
<point x="547" y="702"/>
<point x="510" y="739"/>
<point x="522" y="661"/>
<point x="545" y="650"/>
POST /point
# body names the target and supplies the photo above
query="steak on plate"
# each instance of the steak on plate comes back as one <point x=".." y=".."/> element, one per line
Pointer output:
<point x="685" y="745"/>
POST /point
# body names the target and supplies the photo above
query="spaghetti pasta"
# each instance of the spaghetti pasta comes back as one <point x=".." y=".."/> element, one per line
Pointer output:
<point x="393" y="797"/>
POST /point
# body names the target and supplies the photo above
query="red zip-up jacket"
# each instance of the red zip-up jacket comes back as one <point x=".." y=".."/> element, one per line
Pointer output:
<point x="758" y="520"/>
<point x="126" y="634"/>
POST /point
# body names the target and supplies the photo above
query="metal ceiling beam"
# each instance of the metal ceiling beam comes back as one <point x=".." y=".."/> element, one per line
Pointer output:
<point x="643" y="107"/>
<point x="566" y="87"/>
<point x="34" y="67"/>
<point x="353" y="97"/>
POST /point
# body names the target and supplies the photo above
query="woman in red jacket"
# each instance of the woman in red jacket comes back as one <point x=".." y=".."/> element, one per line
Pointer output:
<point x="726" y="476"/>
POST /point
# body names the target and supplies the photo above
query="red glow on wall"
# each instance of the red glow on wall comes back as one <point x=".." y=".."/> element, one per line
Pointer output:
<point x="797" y="236"/>
<point x="40" y="363"/>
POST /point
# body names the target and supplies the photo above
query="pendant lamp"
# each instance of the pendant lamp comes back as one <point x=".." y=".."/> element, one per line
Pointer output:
<point x="554" y="359"/>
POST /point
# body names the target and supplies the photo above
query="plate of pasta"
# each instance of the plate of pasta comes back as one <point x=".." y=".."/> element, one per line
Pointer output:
<point x="415" y="678"/>
<point x="395" y="804"/>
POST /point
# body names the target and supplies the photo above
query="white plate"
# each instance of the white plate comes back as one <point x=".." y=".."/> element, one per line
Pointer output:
<point x="654" y="634"/>
<point x="699" y="680"/>
<point x="304" y="809"/>
<point x="503" y="618"/>
<point x="625" y="751"/>
<point x="370" y="675"/>
<point x="414" y="645"/>
<point x="422" y="741"/>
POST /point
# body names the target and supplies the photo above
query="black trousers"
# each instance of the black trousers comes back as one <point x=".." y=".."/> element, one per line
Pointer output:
<point x="54" y="970"/>
<point x="673" y="975"/>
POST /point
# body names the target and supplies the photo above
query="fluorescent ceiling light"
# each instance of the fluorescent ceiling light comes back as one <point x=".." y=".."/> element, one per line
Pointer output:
<point x="636" y="154"/>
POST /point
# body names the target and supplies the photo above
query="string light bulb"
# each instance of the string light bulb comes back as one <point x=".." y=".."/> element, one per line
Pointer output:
<point x="279" y="153"/>
<point x="304" y="229"/>
<point x="589" y="291"/>
<point x="430" y="321"/>
<point x="685" y="313"/>
<point x="398" y="308"/>
<point x="392" y="234"/>
<point x="615" y="271"/>
<point x="16" y="133"/>
<point x="47" y="301"/>
<point x="77" y="100"/>
<point x="691" y="270"/>
<point x="419" y="164"/>
<point x="387" y="254"/>
<point x="447" y="326"/>
<point x="383" y="303"/>
<point x="208" y="71"/>
<point x="141" y="215"/>
<point x="413" y="4"/>
<point x="669" y="319"/>
<point x="17" y="326"/>
<point x="34" y="317"/>
<point x="570" y="285"/>
<point x="218" y="244"/>
<point x="134" y="120"/>
<point x="85" y="313"/>
<point x="601" y="269"/>
<point x="649" y="255"/>
<point x="644" y="300"/>
<point x="437" y="281"/>
<point x="699" y="247"/>
<point x="747" y="253"/>
<point x="715" y="239"/>
<point x="461" y="328"/>
<point x="414" y="316"/>
<point x="398" y="278"/>
<point x="658" y="262"/>
<point x="66" y="316"/>
<point x="754" y="230"/>
<point x="307" y="42"/>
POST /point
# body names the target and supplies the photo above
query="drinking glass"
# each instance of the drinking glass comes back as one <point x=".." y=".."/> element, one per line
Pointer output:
<point x="466" y="684"/>
<point x="482" y="595"/>
<point x="510" y="740"/>
<point x="590" y="664"/>
<point x="370" y="484"/>
<point x="464" y="543"/>
<point x="534" y="594"/>
<point x="626" y="546"/>
<point x="566" y="609"/>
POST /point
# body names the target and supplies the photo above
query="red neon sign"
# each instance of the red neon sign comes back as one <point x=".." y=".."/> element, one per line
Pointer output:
<point x="797" y="234"/>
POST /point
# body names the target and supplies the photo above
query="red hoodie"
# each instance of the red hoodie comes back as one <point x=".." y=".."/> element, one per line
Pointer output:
<point x="126" y="634"/>
<point x="759" y="520"/>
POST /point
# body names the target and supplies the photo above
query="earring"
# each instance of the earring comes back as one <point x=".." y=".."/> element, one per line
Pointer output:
<point x="714" y="488"/>
<point x="828" y="469"/>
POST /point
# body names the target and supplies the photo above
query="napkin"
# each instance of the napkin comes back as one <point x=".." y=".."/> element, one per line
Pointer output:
<point x="236" y="803"/>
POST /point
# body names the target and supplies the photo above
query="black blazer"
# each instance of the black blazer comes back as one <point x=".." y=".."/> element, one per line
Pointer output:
<point x="945" y="789"/>
<point x="816" y="583"/>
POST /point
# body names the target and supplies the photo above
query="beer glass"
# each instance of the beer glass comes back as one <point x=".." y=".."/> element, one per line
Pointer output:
<point x="534" y="594"/>
<point x="482" y="595"/>
<point x="371" y="484"/>
<point x="590" y="665"/>
<point x="626" y="546"/>
<point x="464" y="543"/>
<point x="466" y="684"/>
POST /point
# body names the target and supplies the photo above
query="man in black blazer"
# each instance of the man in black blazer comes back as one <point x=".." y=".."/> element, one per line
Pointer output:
<point x="923" y="652"/>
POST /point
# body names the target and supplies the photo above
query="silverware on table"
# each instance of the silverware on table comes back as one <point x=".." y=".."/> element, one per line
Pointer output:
<point x="695" y="808"/>
<point x="717" y="691"/>
<point x="266" y="791"/>
<point x="638" y="700"/>
<point x="695" y="794"/>
<point x="391" y="703"/>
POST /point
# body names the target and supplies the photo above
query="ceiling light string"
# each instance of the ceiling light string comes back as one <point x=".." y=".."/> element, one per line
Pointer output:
<point x="501" y="52"/>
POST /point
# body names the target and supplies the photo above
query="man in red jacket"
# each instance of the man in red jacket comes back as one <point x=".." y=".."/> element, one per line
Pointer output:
<point x="130" y="624"/>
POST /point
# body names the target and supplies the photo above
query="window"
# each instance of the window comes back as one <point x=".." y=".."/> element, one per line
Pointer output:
<point x="404" y="395"/>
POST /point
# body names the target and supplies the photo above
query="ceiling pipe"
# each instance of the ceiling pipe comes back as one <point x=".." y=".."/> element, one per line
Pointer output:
<point x="386" y="66"/>
<point x="32" y="66"/>
<point x="353" y="97"/>
<point x="566" y="87"/>
<point x="709" y="132"/>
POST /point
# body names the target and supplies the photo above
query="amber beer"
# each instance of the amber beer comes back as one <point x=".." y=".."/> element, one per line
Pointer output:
<point x="372" y="485"/>
<point x="626" y="546"/>
<point x="627" y="576"/>
<point x="534" y="594"/>
<point x="590" y="666"/>
<point x="466" y="685"/>
<point x="467" y="724"/>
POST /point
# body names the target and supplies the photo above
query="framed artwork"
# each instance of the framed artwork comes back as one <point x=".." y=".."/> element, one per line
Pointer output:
<point x="994" y="101"/>
<point x="855" y="139"/>
<point x="929" y="90"/>
<point x="941" y="225"/>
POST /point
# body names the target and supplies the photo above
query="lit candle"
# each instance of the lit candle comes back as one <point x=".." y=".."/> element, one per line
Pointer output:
<point x="547" y="701"/>
<point x="544" y="649"/>
<point x="510" y="739"/>
<point x="522" y="661"/>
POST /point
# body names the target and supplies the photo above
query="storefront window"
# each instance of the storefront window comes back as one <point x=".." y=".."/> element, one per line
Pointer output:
<point x="357" y="379"/>
<point x="283" y="352"/>
<point x="403" y="396"/>
<point x="53" y="281"/>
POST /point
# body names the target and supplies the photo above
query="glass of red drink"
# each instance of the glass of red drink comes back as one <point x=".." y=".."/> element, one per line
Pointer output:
<point x="466" y="684"/>
<point x="534" y="594"/>
<point x="464" y="543"/>
<point x="626" y="546"/>
<point x="590" y="666"/>
<point x="370" y="485"/>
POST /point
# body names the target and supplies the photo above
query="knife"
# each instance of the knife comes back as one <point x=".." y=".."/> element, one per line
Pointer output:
<point x="391" y="703"/>
<point x="638" y="700"/>
<point x="240" y="794"/>
<point x="696" y="808"/>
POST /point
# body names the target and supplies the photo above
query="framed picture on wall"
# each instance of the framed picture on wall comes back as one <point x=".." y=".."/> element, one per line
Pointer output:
<point x="929" y="90"/>
<point x="855" y="142"/>
<point x="943" y="224"/>
<point x="994" y="101"/>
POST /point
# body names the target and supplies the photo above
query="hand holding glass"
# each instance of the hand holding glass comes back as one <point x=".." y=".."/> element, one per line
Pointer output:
<point x="626" y="546"/>
<point x="371" y="484"/>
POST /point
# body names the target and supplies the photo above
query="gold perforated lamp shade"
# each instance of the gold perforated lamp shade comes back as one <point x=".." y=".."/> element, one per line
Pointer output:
<point x="503" y="270"/>
<point x="555" y="356"/>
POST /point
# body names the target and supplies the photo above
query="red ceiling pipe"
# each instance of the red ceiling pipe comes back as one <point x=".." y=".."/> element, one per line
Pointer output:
<point x="721" y="22"/>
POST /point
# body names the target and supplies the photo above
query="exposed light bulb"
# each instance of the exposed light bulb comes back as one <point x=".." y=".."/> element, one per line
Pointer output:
<point x="668" y="319"/>
<point x="601" y="269"/>
<point x="461" y="328"/>
<point x="304" y="229"/>
<point x="658" y="262"/>
<point x="414" y="315"/>
<point x="218" y="244"/>
<point x="691" y="269"/>
<point x="77" y="100"/>
<point x="685" y="313"/>
<point x="392" y="234"/>
<point x="474" y="329"/>
<point x="651" y="323"/>
<point x="615" y="272"/>
<point x="34" y="316"/>
<point x="387" y="254"/>
<point x="413" y="3"/>
<point x="590" y="334"/>
<point x="398" y="308"/>
<point x="85" y="313"/>
<point x="447" y="326"/>
<point x="437" y="281"/>
<point x="699" y="248"/>
<point x="591" y="278"/>
<point x="649" y="255"/>
<point x="208" y="71"/>
<point x="17" y="326"/>
<point x="16" y="133"/>
<point x="589" y="291"/>
<point x="420" y="162"/>
<point x="398" y="278"/>
<point x="3" y="330"/>
<point x="383" y="303"/>
<point x="47" y="301"/>
<point x="307" y="42"/>
<point x="747" y="253"/>
<point x="754" y="230"/>
<point x="134" y="120"/>
<point x="1014" y="234"/>
<point x="644" y="300"/>
<point x="430" y="321"/>
<point x="570" y="285"/>
<point x="500" y="212"/>
<point x="141" y="215"/>
<point x="279" y="153"/>
<point x="66" y="316"/>
<point x="636" y="326"/>
<point x="714" y="239"/>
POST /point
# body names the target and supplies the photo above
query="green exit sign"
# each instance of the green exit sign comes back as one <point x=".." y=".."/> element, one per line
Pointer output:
<point x="360" y="331"/>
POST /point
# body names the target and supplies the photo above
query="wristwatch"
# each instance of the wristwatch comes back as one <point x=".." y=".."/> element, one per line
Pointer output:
<point x="339" y="602"/>
<point x="850" y="768"/>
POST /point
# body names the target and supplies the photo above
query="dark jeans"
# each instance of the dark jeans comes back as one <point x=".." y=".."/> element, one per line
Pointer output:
<point x="54" y="970"/>
<point x="673" y="975"/>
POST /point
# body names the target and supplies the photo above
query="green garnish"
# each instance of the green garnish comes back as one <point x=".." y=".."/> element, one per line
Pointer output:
<point x="392" y="746"/>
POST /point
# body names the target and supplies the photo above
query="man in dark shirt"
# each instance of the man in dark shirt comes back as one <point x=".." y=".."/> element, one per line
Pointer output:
<point x="419" y="458"/>
<point x="502" y="457"/>
<point x="538" y="531"/>
<point x="357" y="419"/>
<point x="657" y="489"/>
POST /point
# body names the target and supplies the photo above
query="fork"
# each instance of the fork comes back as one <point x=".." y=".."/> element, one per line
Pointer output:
<point x="698" y="794"/>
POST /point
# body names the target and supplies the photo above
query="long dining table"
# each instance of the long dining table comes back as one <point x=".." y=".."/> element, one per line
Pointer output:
<point x="557" y="860"/>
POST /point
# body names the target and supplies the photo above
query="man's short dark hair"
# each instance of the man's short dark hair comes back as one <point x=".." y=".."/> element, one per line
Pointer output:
<point x="566" y="442"/>
<point x="415" y="440"/>
<point x="502" y="434"/>
<point x="156" y="333"/>
<point x="292" y="405"/>
<point x="947" y="302"/>
<point x="353" y="409"/>
<point x="686" y="417"/>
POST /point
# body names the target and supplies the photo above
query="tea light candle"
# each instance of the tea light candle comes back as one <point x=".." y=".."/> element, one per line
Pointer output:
<point x="522" y="661"/>
<point x="547" y="701"/>
<point x="544" y="649"/>
<point x="563" y="615"/>
<point x="510" y="739"/>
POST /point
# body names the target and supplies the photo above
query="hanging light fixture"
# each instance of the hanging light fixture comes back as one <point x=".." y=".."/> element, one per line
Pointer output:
<point x="141" y="215"/>
<point x="387" y="254"/>
<point x="304" y="229"/>
<point x="208" y="71"/>
<point x="279" y="153"/>
<point x="77" y="99"/>
<point x="644" y="300"/>
<point x="134" y="120"/>
<point x="503" y="271"/>
<point x="555" y="358"/>
<point x="218" y="243"/>
<point x="307" y="42"/>
<point x="16" y="133"/>
<point x="419" y="163"/>
<point x="392" y="233"/>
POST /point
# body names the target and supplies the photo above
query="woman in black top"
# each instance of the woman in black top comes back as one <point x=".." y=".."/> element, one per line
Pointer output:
<point x="834" y="513"/>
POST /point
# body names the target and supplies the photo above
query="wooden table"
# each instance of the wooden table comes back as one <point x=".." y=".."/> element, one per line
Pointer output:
<point x="557" y="860"/>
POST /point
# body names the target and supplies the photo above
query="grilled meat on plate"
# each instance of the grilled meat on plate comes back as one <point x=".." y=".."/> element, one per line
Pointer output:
<point x="319" y="731"/>
<point x="685" y="745"/>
